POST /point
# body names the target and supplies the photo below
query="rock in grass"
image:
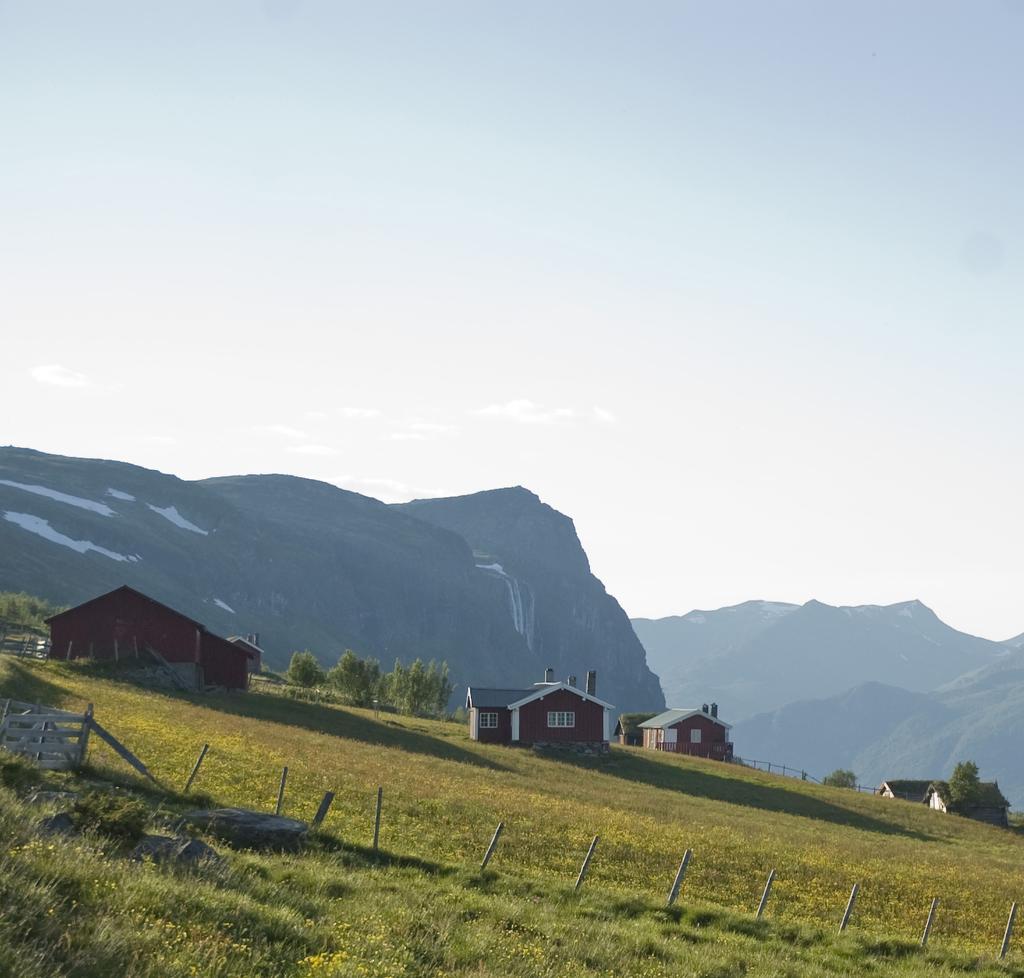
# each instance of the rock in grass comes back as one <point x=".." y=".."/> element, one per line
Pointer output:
<point x="177" y="850"/>
<point x="59" y="824"/>
<point x="244" y="829"/>
<point x="42" y="797"/>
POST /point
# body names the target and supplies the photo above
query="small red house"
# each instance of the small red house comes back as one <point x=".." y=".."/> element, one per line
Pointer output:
<point x="698" y="733"/>
<point x="554" y="714"/>
<point x="126" y="623"/>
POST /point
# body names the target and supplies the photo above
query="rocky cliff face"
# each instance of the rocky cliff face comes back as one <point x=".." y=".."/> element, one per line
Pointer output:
<point x="530" y="554"/>
<point x="308" y="565"/>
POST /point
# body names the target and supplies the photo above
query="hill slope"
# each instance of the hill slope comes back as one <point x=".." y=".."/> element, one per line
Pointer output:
<point x="421" y="909"/>
<point x="304" y="564"/>
<point x="760" y="656"/>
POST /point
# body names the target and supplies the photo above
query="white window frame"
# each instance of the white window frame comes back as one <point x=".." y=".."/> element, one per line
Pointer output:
<point x="488" y="721"/>
<point x="695" y="735"/>
<point x="561" y="719"/>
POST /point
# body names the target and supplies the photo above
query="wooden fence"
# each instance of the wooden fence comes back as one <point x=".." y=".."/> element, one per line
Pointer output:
<point x="31" y="646"/>
<point x="54" y="739"/>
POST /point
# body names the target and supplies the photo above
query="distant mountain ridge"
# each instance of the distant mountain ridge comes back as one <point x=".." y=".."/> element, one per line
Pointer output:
<point x="307" y="564"/>
<point x="885" y="732"/>
<point x="760" y="656"/>
<point x="886" y="691"/>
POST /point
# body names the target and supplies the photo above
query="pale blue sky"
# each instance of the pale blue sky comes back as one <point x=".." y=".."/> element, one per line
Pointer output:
<point x="736" y="285"/>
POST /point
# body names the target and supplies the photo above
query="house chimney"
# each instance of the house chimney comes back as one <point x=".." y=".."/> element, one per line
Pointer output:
<point x="256" y="639"/>
<point x="572" y="681"/>
<point x="591" y="682"/>
<point x="549" y="675"/>
<point x="714" y="709"/>
<point x="704" y="708"/>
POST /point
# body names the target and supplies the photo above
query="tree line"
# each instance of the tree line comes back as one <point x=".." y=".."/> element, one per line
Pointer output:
<point x="419" y="689"/>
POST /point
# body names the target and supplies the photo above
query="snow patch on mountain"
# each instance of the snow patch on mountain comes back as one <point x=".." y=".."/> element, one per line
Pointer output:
<point x="118" y="494"/>
<point x="42" y="528"/>
<point x="61" y="497"/>
<point x="171" y="514"/>
<point x="221" y="604"/>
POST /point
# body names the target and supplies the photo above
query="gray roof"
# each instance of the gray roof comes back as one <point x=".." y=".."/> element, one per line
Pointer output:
<point x="670" y="717"/>
<point x="481" y="696"/>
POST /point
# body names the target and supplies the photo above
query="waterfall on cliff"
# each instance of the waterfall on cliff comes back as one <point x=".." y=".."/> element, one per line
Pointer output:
<point x="522" y="611"/>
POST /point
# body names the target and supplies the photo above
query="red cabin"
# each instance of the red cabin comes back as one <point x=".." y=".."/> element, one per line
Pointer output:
<point x="549" y="713"/>
<point x="126" y="624"/>
<point x="698" y="733"/>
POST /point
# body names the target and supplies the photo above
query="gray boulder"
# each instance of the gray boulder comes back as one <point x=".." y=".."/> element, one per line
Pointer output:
<point x="60" y="824"/>
<point x="177" y="850"/>
<point x="245" y="829"/>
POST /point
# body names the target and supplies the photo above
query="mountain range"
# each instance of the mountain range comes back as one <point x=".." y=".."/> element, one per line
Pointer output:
<point x="761" y="655"/>
<point x="886" y="691"/>
<point x="495" y="583"/>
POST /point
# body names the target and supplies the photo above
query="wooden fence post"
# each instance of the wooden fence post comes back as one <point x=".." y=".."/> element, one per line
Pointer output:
<point x="931" y="920"/>
<point x="849" y="907"/>
<point x="321" y="812"/>
<point x="83" y="740"/>
<point x="680" y="876"/>
<point x="376" y="818"/>
<point x="766" y="894"/>
<point x="1009" y="931"/>
<point x="280" y="790"/>
<point x="586" y="864"/>
<point x="195" y="769"/>
<point x="492" y="846"/>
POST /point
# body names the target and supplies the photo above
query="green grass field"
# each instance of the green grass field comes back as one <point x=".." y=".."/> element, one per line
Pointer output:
<point x="421" y="908"/>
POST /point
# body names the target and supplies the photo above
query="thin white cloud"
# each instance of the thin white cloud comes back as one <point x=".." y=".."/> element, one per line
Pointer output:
<point x="58" y="375"/>
<point x="312" y="449"/>
<point x="385" y="489"/>
<point x="317" y="415"/>
<point x="160" y="439"/>
<point x="431" y="427"/>
<point x="359" y="412"/>
<point x="524" y="411"/>
<point x="604" y="415"/>
<point x="420" y="430"/>
<point x="285" y="430"/>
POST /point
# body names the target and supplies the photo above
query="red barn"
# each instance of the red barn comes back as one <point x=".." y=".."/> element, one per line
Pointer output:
<point x="125" y="623"/>
<point x="698" y="733"/>
<point x="250" y="644"/>
<point x="549" y="713"/>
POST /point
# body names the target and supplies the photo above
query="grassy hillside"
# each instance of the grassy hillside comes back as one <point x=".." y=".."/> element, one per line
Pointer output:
<point x="422" y="909"/>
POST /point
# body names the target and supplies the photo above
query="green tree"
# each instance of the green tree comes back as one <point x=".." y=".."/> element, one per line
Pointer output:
<point x="358" y="680"/>
<point x="304" y="670"/>
<point x="964" y="786"/>
<point x="419" y="690"/>
<point x="841" y="778"/>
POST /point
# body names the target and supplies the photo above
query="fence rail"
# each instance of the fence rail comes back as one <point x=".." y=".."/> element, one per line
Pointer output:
<point x="55" y="739"/>
<point x="32" y="646"/>
<point x="771" y="767"/>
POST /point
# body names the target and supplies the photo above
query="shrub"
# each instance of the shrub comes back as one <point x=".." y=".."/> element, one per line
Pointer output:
<point x="304" y="670"/>
<point x="841" y="778"/>
<point x="113" y="814"/>
<point x="356" y="679"/>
